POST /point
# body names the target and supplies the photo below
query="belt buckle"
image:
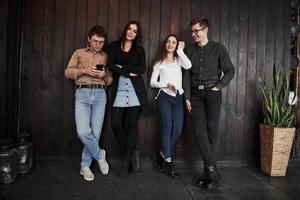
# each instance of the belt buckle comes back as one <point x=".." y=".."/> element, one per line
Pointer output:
<point x="96" y="86"/>
<point x="201" y="87"/>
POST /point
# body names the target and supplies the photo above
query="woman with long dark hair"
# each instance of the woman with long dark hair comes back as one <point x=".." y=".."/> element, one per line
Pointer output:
<point x="167" y="68"/>
<point x="126" y="60"/>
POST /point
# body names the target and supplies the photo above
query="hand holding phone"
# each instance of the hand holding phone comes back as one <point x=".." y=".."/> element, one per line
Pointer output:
<point x="172" y="87"/>
<point x="100" y="67"/>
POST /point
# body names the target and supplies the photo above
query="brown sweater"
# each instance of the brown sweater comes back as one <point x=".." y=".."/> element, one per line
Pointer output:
<point x="86" y="58"/>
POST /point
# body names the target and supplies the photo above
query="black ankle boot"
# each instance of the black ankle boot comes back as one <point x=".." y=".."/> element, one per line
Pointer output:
<point x="202" y="180"/>
<point x="135" y="162"/>
<point x="212" y="177"/>
<point x="123" y="173"/>
<point x="168" y="169"/>
<point x="158" y="161"/>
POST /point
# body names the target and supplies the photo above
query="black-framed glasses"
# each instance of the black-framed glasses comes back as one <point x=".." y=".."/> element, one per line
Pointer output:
<point x="97" y="41"/>
<point x="195" y="31"/>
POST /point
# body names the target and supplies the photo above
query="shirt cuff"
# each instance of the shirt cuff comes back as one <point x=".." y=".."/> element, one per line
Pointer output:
<point x="219" y="86"/>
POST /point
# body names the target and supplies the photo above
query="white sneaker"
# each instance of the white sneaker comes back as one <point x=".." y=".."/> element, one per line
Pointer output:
<point x="103" y="165"/>
<point x="87" y="173"/>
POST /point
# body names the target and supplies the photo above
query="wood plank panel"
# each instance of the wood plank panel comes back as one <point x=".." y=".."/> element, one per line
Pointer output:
<point x="232" y="86"/>
<point x="241" y="82"/>
<point x="81" y="22"/>
<point x="224" y="39"/>
<point x="195" y="8"/>
<point x="68" y="116"/>
<point x="113" y="9"/>
<point x="153" y="139"/>
<point x="175" y="17"/>
<point x="287" y="33"/>
<point x="185" y="21"/>
<point x="3" y="43"/>
<point x="279" y="41"/>
<point x="58" y="78"/>
<point x="34" y="75"/>
<point x="47" y="77"/>
<point x="270" y="43"/>
<point x="165" y="19"/>
<point x="134" y="10"/>
<point x="144" y="128"/>
<point x="92" y="14"/>
<point x="251" y="118"/>
<point x="123" y="15"/>
<point x="215" y="13"/>
<point x="12" y="66"/>
<point x="103" y="6"/>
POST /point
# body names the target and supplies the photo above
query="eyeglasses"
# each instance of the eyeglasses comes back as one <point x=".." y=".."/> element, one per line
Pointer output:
<point x="97" y="41"/>
<point x="195" y="31"/>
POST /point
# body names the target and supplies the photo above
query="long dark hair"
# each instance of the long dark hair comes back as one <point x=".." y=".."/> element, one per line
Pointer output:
<point x="137" y="42"/>
<point x="163" y="52"/>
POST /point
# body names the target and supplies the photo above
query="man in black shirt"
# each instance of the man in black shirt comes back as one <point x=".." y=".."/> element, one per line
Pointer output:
<point x="211" y="70"/>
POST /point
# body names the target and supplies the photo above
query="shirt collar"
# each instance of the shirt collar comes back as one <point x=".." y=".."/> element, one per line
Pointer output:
<point x="205" y="47"/>
<point x="88" y="48"/>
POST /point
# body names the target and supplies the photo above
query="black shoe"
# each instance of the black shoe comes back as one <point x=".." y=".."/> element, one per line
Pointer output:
<point x="158" y="161"/>
<point x="202" y="181"/>
<point x="135" y="162"/>
<point x="168" y="169"/>
<point x="123" y="173"/>
<point x="212" y="177"/>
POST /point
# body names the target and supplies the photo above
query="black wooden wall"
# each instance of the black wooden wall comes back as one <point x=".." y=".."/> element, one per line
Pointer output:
<point x="10" y="57"/>
<point x="255" y="32"/>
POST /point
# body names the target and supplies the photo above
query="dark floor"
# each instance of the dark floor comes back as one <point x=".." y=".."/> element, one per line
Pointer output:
<point x="53" y="179"/>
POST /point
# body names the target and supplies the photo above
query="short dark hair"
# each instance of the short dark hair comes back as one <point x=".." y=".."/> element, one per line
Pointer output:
<point x="201" y="21"/>
<point x="97" y="30"/>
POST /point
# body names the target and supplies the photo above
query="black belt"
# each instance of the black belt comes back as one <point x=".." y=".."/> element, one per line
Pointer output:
<point x="92" y="86"/>
<point x="202" y="87"/>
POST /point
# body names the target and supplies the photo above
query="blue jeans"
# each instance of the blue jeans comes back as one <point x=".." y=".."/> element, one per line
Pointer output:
<point x="171" y="112"/>
<point x="89" y="116"/>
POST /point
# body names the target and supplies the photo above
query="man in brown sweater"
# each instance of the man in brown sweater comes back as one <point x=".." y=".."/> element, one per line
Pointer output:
<point x="87" y="68"/>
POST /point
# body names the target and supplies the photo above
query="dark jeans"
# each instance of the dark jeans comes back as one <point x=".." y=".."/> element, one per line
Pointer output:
<point x="206" y="105"/>
<point x="124" y="124"/>
<point x="171" y="113"/>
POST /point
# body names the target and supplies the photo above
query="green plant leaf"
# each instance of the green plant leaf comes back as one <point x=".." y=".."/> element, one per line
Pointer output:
<point x="277" y="112"/>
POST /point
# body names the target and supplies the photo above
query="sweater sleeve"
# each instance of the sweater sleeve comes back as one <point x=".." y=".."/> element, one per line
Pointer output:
<point x="154" y="78"/>
<point x="111" y="62"/>
<point x="71" y="69"/>
<point x="227" y="68"/>
<point x="183" y="60"/>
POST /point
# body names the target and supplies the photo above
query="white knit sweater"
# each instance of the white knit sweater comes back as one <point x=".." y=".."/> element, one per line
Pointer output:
<point x="170" y="73"/>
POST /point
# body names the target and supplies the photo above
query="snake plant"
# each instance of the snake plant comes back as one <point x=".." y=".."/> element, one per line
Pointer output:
<point x="277" y="112"/>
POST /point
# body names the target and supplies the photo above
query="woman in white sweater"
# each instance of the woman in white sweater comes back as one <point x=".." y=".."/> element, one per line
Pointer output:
<point x="167" y="76"/>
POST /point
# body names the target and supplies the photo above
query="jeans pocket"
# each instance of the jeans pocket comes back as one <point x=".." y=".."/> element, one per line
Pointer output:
<point x="82" y="94"/>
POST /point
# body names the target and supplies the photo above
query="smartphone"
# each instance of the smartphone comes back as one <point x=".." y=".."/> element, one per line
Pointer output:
<point x="100" y="67"/>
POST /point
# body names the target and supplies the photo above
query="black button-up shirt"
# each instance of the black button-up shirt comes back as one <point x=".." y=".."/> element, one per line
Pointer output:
<point x="208" y="63"/>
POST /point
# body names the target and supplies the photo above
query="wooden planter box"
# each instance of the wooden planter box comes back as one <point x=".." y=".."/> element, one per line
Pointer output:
<point x="275" y="147"/>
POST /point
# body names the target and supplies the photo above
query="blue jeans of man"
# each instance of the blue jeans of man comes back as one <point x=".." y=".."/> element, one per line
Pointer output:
<point x="89" y="115"/>
<point x="171" y="112"/>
